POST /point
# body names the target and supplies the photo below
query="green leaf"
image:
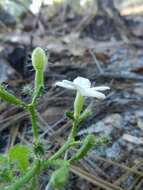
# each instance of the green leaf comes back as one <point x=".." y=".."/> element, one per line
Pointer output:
<point x="88" y="143"/>
<point x="59" y="177"/>
<point x="19" y="155"/>
<point x="85" y="115"/>
<point x="4" y="95"/>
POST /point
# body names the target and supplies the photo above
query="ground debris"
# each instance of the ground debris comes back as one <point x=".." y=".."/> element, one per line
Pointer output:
<point x="133" y="139"/>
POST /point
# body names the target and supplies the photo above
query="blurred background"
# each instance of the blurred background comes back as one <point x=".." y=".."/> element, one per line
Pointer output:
<point x="101" y="40"/>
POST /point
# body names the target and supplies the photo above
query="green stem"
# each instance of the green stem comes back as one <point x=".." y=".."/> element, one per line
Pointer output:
<point x="39" y="83"/>
<point x="59" y="153"/>
<point x="78" y="105"/>
<point x="37" y="167"/>
<point x="73" y="130"/>
<point x="34" y="183"/>
<point x="39" y="80"/>
<point x="31" y="109"/>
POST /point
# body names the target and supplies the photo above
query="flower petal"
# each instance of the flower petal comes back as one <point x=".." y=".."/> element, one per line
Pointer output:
<point x="93" y="93"/>
<point x="64" y="85"/>
<point x="68" y="82"/>
<point x="75" y="86"/>
<point x="83" y="82"/>
<point x="101" y="88"/>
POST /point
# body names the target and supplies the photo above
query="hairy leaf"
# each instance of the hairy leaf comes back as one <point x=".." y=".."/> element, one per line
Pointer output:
<point x="19" y="155"/>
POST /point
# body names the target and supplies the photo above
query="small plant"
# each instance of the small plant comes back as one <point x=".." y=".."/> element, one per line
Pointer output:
<point x="21" y="166"/>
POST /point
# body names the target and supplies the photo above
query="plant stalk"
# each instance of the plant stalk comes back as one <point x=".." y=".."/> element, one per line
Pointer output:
<point x="32" y="113"/>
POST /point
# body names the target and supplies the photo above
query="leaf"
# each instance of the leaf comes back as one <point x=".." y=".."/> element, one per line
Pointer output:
<point x="59" y="177"/>
<point x="88" y="143"/>
<point x="85" y="114"/>
<point x="19" y="155"/>
<point x="5" y="95"/>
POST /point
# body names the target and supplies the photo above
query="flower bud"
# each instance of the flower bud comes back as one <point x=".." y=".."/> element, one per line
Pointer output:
<point x="39" y="63"/>
<point x="59" y="177"/>
<point x="39" y="59"/>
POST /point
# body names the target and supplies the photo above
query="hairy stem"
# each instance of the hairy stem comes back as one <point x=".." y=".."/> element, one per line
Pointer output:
<point x="31" y="110"/>
<point x="73" y="130"/>
<point x="39" y="80"/>
<point x="59" y="153"/>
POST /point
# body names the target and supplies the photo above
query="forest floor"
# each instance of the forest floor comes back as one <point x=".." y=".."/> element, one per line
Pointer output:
<point x="93" y="46"/>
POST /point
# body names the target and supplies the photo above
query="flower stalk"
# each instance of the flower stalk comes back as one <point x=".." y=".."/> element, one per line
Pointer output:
<point x="32" y="114"/>
<point x="78" y="105"/>
<point x="39" y="81"/>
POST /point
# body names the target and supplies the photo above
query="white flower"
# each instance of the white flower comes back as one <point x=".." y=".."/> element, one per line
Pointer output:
<point x="83" y="86"/>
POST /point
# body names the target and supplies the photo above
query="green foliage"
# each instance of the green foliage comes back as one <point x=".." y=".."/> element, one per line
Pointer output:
<point x="23" y="164"/>
<point x="10" y="98"/>
<point x="85" y="114"/>
<point x="19" y="155"/>
<point x="5" y="172"/>
<point x="88" y="143"/>
<point x="59" y="177"/>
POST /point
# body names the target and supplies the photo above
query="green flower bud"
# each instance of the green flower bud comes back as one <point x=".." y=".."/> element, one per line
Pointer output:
<point x="88" y="143"/>
<point x="59" y="177"/>
<point x="39" y="59"/>
<point x="9" y="97"/>
<point x="78" y="105"/>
